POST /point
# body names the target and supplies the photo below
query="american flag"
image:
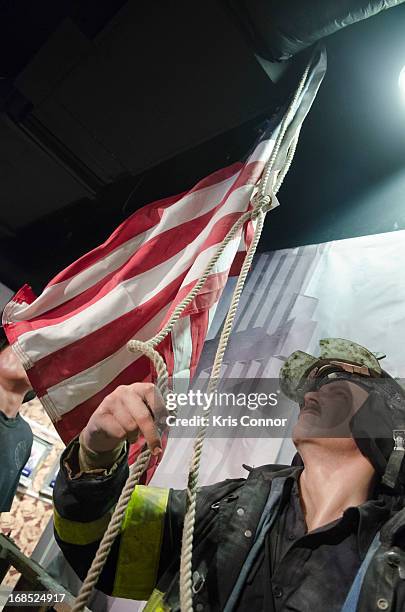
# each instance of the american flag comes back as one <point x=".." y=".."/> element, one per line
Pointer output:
<point x="72" y="338"/>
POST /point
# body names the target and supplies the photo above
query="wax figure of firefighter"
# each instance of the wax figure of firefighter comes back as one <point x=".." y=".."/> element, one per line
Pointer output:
<point x="288" y="538"/>
<point x="15" y="433"/>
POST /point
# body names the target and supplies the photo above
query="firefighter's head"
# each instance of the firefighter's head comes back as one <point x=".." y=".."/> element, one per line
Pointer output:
<point x="348" y="403"/>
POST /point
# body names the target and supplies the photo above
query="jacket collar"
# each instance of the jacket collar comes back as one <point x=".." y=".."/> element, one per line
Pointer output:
<point x="271" y="471"/>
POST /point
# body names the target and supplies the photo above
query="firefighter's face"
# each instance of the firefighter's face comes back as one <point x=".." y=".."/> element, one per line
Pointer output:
<point x="326" y="412"/>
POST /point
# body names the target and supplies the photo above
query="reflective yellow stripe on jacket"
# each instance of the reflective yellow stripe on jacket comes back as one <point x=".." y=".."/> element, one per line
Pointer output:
<point x="141" y="539"/>
<point x="74" y="532"/>
<point x="156" y="604"/>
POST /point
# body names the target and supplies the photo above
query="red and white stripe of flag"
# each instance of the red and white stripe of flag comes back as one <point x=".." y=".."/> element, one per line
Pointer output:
<point x="72" y="338"/>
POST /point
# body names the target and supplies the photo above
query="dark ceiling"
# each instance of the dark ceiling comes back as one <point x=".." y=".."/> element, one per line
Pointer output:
<point x="106" y="106"/>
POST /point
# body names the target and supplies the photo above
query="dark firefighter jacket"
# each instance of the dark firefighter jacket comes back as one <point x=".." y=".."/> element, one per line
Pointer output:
<point x="144" y="561"/>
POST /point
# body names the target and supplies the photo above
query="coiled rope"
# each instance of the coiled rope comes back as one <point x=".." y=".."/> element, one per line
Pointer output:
<point x="270" y="182"/>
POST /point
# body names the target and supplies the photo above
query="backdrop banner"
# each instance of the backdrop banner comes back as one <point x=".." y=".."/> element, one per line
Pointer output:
<point x="351" y="289"/>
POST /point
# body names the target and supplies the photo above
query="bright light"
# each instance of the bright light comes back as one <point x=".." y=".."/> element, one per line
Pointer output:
<point x="401" y="82"/>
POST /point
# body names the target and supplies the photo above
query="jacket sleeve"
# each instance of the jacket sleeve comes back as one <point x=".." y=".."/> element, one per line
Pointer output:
<point x="83" y="506"/>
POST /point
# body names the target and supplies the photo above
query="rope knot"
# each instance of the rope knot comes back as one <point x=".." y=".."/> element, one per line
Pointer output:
<point x="261" y="203"/>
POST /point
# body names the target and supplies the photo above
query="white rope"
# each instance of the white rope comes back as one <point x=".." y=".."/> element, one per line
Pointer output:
<point x="186" y="593"/>
<point x="262" y="204"/>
